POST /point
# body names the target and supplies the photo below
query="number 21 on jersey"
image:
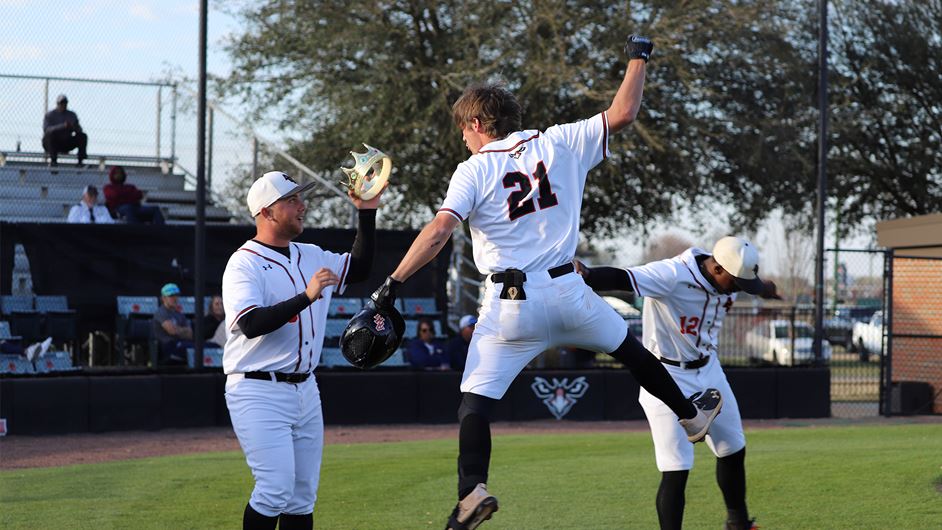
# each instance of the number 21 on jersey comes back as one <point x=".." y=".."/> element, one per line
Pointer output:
<point x="688" y="325"/>
<point x="518" y="204"/>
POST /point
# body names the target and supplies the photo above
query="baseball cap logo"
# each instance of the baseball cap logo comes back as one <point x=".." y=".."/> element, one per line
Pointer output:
<point x="289" y="179"/>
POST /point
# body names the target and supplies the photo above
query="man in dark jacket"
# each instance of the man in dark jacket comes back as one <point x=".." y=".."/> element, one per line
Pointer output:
<point x="124" y="200"/>
<point x="62" y="132"/>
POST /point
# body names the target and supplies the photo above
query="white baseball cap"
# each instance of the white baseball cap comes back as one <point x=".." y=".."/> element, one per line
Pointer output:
<point x="741" y="260"/>
<point x="271" y="187"/>
<point x="467" y="320"/>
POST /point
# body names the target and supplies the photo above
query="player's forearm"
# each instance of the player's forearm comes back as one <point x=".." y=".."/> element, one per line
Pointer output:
<point x="607" y="279"/>
<point x="426" y="246"/>
<point x="361" y="255"/>
<point x="627" y="101"/>
<point x="264" y="320"/>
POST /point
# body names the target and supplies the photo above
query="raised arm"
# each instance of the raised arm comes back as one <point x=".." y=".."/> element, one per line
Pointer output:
<point x="627" y="101"/>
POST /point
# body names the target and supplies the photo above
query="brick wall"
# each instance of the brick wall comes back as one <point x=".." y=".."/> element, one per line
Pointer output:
<point x="917" y="310"/>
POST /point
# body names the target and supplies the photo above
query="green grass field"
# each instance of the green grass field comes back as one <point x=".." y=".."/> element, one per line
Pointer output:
<point x="803" y="477"/>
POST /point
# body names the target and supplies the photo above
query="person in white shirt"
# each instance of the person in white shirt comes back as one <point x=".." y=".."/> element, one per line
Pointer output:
<point x="685" y="300"/>
<point x="88" y="210"/>
<point x="521" y="193"/>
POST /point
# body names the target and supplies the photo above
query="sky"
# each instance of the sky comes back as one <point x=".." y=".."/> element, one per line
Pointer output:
<point x="143" y="40"/>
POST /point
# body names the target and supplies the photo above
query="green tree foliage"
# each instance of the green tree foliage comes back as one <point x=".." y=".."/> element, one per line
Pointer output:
<point x="728" y="116"/>
<point x="886" y="114"/>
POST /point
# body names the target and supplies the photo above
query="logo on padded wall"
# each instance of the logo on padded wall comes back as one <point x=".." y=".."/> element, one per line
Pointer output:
<point x="559" y="396"/>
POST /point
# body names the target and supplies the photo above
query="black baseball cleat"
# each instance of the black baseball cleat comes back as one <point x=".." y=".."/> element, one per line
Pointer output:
<point x="474" y="509"/>
<point x="748" y="524"/>
<point x="708" y="404"/>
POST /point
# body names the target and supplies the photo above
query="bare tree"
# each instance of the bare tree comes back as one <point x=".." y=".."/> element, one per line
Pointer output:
<point x="666" y="245"/>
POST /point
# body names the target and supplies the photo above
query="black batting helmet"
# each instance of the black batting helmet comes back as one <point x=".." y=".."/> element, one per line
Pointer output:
<point x="371" y="336"/>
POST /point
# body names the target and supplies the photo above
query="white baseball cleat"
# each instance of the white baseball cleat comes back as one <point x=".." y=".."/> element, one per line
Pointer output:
<point x="708" y="404"/>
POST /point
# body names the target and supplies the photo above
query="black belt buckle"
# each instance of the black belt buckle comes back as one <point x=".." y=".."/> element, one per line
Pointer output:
<point x="513" y="280"/>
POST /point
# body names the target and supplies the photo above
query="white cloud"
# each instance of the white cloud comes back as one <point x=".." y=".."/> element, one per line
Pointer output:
<point x="143" y="11"/>
<point x="18" y="52"/>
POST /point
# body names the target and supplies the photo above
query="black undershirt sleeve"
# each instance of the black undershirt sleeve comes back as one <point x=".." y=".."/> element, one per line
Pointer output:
<point x="608" y="279"/>
<point x="361" y="255"/>
<point x="264" y="320"/>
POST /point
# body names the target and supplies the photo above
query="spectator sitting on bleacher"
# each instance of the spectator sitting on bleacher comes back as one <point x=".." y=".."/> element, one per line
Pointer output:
<point x="88" y="210"/>
<point x="125" y="200"/>
<point x="174" y="333"/>
<point x="62" y="132"/>
<point x="456" y="349"/>
<point x="214" y="323"/>
<point x="424" y="352"/>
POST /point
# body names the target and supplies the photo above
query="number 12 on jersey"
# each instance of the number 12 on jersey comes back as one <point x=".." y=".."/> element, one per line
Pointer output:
<point x="688" y="325"/>
<point x="517" y="206"/>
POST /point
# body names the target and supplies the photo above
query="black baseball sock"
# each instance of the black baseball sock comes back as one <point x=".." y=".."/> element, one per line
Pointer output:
<point x="651" y="374"/>
<point x="252" y="520"/>
<point x="731" y="477"/>
<point x="296" y="522"/>
<point x="474" y="452"/>
<point x="671" y="499"/>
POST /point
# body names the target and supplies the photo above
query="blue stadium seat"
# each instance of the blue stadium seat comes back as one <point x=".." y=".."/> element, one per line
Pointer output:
<point x="335" y="327"/>
<point x="346" y="307"/>
<point x="419" y="307"/>
<point x="396" y="359"/>
<point x="5" y="333"/>
<point x="47" y="303"/>
<point x="212" y="357"/>
<point x="331" y="357"/>
<point x="188" y="304"/>
<point x="55" y="361"/>
<point x="15" y="364"/>
<point x="16" y="303"/>
<point x="146" y="305"/>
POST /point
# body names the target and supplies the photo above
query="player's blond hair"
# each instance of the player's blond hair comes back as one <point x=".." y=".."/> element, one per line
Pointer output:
<point x="493" y="105"/>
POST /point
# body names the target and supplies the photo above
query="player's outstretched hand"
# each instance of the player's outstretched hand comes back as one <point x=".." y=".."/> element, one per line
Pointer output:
<point x="385" y="296"/>
<point x="638" y="47"/>
<point x="371" y="204"/>
<point x="581" y="269"/>
<point x="321" y="279"/>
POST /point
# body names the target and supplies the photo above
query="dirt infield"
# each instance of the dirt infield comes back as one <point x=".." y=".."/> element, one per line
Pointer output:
<point x="17" y="452"/>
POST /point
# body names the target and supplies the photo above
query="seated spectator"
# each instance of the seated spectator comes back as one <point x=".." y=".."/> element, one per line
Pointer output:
<point x="88" y="210"/>
<point x="456" y="349"/>
<point x="174" y="334"/>
<point x="62" y="132"/>
<point x="125" y="200"/>
<point x="424" y="352"/>
<point x="215" y="322"/>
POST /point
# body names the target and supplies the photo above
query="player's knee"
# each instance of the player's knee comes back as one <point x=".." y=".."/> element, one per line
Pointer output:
<point x="475" y="404"/>
<point x="271" y="496"/>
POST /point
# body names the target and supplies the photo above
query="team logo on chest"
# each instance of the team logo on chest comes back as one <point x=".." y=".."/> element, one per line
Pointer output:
<point x="267" y="267"/>
<point x="559" y="396"/>
<point x="379" y="322"/>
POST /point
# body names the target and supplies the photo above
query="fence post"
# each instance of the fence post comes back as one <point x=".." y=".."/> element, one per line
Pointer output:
<point x="886" y="354"/>
<point x="794" y="315"/>
<point x="46" y="97"/>
<point x="209" y="149"/>
<point x="159" y="112"/>
<point x="254" y="156"/>
<point x="173" y="127"/>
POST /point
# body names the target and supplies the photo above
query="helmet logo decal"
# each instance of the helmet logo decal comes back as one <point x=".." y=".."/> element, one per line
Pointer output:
<point x="379" y="322"/>
<point x="559" y="396"/>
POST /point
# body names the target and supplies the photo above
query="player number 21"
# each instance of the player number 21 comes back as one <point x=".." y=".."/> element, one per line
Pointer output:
<point x="517" y="206"/>
<point x="688" y="325"/>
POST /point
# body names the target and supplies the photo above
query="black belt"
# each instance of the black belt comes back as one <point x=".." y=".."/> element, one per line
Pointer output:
<point x="689" y="365"/>
<point x="555" y="272"/>
<point x="281" y="377"/>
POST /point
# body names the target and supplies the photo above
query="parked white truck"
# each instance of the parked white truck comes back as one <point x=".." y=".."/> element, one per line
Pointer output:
<point x="868" y="337"/>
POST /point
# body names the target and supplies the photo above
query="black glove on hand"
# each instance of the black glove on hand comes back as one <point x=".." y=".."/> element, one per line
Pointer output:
<point x="638" y="47"/>
<point x="385" y="296"/>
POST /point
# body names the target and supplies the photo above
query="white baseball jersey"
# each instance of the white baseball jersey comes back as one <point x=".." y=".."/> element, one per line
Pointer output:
<point x="682" y="317"/>
<point x="683" y="312"/>
<point x="257" y="276"/>
<point x="522" y="195"/>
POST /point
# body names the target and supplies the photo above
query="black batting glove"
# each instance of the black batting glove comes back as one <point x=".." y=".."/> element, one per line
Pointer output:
<point x="385" y="296"/>
<point x="638" y="47"/>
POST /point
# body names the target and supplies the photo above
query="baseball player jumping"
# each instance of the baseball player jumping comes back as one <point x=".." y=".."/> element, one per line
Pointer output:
<point x="276" y="294"/>
<point x="685" y="300"/>
<point x="521" y="192"/>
